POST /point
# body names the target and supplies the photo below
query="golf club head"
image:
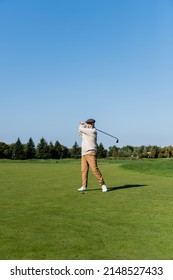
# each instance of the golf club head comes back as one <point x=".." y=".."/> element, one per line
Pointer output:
<point x="117" y="141"/>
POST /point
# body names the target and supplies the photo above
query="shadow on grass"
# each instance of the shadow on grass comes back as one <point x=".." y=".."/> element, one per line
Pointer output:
<point x="120" y="187"/>
<point x="125" y="187"/>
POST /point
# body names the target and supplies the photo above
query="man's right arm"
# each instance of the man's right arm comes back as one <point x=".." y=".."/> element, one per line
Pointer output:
<point x="82" y="127"/>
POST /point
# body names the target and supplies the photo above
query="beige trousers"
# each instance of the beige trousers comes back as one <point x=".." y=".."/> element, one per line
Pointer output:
<point x="87" y="161"/>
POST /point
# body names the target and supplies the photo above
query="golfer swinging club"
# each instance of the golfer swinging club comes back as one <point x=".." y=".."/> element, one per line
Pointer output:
<point x="89" y="140"/>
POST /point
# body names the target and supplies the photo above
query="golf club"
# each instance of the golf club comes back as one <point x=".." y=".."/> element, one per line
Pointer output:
<point x="108" y="134"/>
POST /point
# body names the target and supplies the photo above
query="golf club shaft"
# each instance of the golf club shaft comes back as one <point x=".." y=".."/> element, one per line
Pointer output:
<point x="107" y="134"/>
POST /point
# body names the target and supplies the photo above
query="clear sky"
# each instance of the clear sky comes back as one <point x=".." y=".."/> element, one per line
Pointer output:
<point x="64" y="61"/>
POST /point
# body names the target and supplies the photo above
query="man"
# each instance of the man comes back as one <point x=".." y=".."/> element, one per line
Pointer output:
<point x="89" y="141"/>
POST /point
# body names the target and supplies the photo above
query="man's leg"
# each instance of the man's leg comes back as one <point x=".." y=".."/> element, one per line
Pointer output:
<point x="84" y="171"/>
<point x="92" y="161"/>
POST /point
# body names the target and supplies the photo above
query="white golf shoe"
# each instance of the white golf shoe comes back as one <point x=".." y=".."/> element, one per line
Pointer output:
<point x="104" y="188"/>
<point x="82" y="189"/>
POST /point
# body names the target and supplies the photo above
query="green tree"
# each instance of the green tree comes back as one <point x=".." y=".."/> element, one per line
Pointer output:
<point x="64" y="152"/>
<point x="18" y="150"/>
<point x="8" y="151"/>
<point x="126" y="151"/>
<point x="101" y="152"/>
<point x="58" y="150"/>
<point x="166" y="152"/>
<point x="3" y="150"/>
<point x="76" y="151"/>
<point x="55" y="151"/>
<point x="154" y="152"/>
<point x="30" y="150"/>
<point x="42" y="151"/>
<point x="51" y="150"/>
<point x="113" y="151"/>
<point x="162" y="153"/>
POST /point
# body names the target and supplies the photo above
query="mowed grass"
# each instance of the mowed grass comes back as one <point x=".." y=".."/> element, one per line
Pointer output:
<point x="44" y="217"/>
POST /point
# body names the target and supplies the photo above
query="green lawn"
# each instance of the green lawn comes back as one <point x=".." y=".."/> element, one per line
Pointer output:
<point x="44" y="217"/>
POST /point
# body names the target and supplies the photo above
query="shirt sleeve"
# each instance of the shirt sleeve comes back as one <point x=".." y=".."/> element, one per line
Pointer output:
<point x="87" y="131"/>
<point x="81" y="127"/>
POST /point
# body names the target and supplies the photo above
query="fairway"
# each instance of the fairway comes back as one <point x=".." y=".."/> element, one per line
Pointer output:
<point x="44" y="217"/>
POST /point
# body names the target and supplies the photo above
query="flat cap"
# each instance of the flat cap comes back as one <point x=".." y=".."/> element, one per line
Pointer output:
<point x="90" y="121"/>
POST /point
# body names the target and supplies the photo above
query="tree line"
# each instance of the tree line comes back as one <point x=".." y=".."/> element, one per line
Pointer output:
<point x="45" y="150"/>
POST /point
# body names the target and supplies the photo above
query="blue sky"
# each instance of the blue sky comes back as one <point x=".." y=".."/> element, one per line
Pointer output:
<point x="64" y="61"/>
